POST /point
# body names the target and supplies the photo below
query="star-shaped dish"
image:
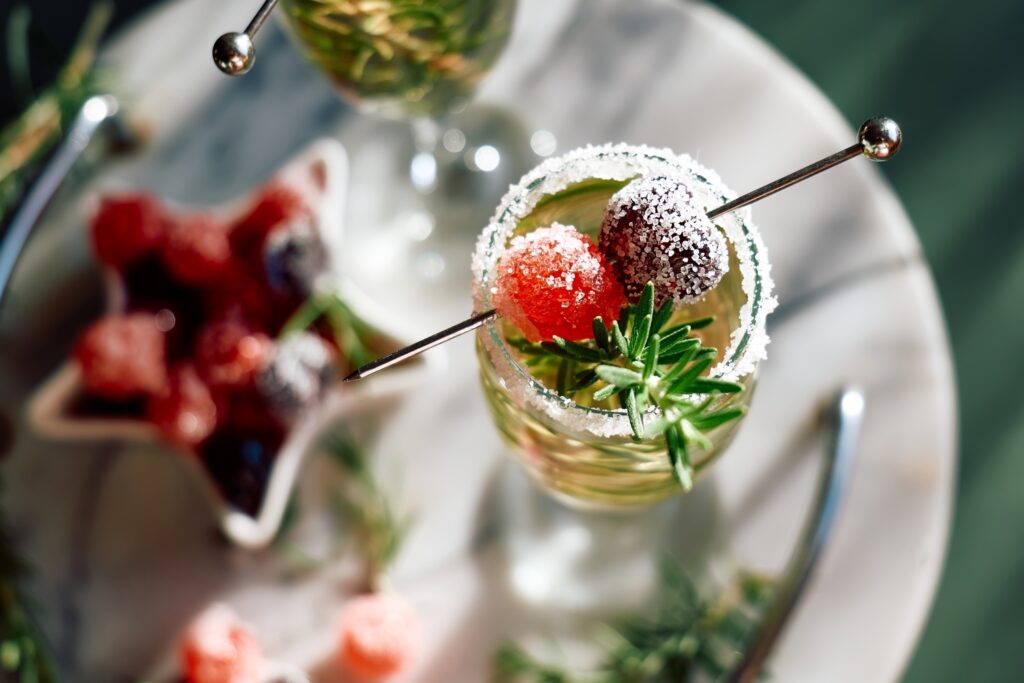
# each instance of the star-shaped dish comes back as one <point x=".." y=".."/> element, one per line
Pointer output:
<point x="63" y="407"/>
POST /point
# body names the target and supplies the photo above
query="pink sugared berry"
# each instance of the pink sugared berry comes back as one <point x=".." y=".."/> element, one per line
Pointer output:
<point x="185" y="413"/>
<point x="196" y="250"/>
<point x="380" y="636"/>
<point x="554" y="281"/>
<point x="655" y="231"/>
<point x="127" y="227"/>
<point x="229" y="352"/>
<point x="219" y="648"/>
<point x="123" y="356"/>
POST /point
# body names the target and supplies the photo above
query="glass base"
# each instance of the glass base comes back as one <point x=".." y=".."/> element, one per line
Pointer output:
<point x="597" y="563"/>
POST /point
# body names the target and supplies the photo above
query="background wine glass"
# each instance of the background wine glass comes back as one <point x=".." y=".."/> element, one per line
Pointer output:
<point x="421" y="62"/>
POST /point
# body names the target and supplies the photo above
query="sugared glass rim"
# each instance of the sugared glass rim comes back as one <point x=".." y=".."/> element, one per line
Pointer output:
<point x="620" y="162"/>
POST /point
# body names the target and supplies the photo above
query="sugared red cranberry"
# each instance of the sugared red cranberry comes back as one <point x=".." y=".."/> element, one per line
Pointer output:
<point x="126" y="228"/>
<point x="654" y="231"/>
<point x="122" y="356"/>
<point x="219" y="648"/>
<point x="228" y="352"/>
<point x="196" y="250"/>
<point x="185" y="413"/>
<point x="554" y="281"/>
<point x="380" y="636"/>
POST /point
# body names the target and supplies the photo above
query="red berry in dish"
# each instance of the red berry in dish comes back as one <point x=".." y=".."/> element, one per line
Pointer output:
<point x="127" y="227"/>
<point x="380" y="635"/>
<point x="554" y="281"/>
<point x="276" y="204"/>
<point x="219" y="648"/>
<point x="655" y="231"/>
<point x="123" y="356"/>
<point x="229" y="352"/>
<point x="297" y="373"/>
<point x="196" y="250"/>
<point x="294" y="256"/>
<point x="185" y="413"/>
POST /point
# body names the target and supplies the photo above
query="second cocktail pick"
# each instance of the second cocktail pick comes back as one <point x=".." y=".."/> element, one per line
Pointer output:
<point x="234" y="53"/>
<point x="879" y="139"/>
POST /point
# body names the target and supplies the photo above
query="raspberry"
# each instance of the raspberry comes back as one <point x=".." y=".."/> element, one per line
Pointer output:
<point x="196" y="250"/>
<point x="219" y="648"/>
<point x="122" y="356"/>
<point x="554" y="281"/>
<point x="185" y="413"/>
<point x="275" y="204"/>
<point x="654" y="231"/>
<point x="229" y="352"/>
<point x="380" y="635"/>
<point x="126" y="228"/>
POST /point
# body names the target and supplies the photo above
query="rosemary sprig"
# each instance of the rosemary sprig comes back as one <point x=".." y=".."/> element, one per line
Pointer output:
<point x="24" y="654"/>
<point x="352" y="335"/>
<point x="379" y="529"/>
<point x="362" y="508"/>
<point x="26" y="141"/>
<point x="648" y="367"/>
<point x="689" y="638"/>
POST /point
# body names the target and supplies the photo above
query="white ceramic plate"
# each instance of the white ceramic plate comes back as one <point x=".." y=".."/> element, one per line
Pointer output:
<point x="113" y="528"/>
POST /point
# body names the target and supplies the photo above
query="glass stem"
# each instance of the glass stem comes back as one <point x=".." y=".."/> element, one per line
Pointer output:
<point x="426" y="133"/>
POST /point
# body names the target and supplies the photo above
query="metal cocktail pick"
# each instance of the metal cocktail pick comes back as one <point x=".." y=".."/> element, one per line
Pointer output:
<point x="878" y="139"/>
<point x="234" y="53"/>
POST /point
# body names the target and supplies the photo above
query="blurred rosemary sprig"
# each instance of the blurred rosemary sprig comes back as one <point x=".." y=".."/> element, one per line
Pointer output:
<point x="363" y="510"/>
<point x="26" y="141"/>
<point x="24" y="655"/>
<point x="643" y="364"/>
<point x="688" y="639"/>
<point x="353" y="336"/>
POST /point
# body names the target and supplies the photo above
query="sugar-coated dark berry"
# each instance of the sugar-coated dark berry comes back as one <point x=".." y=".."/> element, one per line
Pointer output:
<point x="123" y="356"/>
<point x="294" y="256"/>
<point x="240" y="463"/>
<point x="297" y="373"/>
<point x="654" y="231"/>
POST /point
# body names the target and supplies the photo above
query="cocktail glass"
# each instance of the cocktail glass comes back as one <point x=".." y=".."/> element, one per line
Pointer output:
<point x="584" y="454"/>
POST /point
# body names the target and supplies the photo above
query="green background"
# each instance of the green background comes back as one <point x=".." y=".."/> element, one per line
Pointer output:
<point x="950" y="73"/>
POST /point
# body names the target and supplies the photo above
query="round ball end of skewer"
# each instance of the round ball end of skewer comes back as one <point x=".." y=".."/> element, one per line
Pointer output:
<point x="881" y="138"/>
<point x="234" y="53"/>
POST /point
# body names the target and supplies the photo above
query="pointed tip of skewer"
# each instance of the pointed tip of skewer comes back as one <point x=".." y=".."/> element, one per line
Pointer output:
<point x="353" y="376"/>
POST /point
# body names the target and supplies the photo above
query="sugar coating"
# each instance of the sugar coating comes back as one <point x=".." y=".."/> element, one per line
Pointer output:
<point x="620" y="162"/>
<point x="554" y="281"/>
<point x="654" y="231"/>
